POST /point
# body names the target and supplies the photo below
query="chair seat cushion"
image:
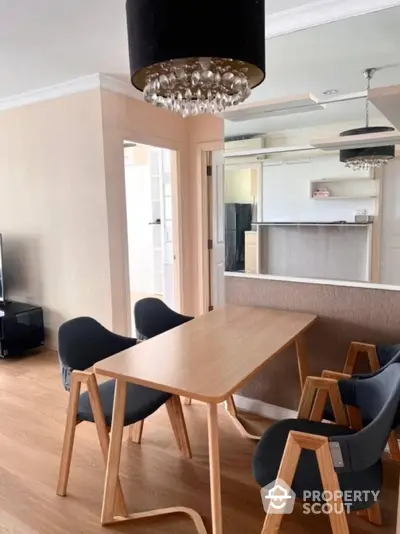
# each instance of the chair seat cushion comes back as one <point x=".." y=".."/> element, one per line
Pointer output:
<point x="140" y="402"/>
<point x="269" y="452"/>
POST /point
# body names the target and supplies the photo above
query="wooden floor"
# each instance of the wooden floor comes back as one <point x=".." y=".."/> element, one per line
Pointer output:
<point x="32" y="408"/>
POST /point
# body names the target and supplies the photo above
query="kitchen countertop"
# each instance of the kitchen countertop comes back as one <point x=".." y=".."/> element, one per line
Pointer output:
<point x="336" y="223"/>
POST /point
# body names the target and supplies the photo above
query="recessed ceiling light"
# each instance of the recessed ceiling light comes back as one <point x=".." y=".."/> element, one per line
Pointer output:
<point x="329" y="92"/>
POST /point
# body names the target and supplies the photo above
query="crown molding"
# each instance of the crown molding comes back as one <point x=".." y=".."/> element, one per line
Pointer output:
<point x="78" y="85"/>
<point x="281" y="23"/>
<point x="115" y="85"/>
<point x="321" y="12"/>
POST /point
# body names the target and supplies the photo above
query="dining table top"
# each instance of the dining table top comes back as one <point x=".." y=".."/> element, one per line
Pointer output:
<point x="212" y="356"/>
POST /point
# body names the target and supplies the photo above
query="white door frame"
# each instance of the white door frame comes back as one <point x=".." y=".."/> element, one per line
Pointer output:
<point x="204" y="212"/>
<point x="177" y="226"/>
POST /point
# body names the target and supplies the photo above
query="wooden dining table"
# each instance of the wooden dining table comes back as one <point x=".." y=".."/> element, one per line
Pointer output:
<point x="207" y="359"/>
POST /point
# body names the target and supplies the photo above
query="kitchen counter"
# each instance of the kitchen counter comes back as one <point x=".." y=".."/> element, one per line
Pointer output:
<point x="336" y="250"/>
<point x="337" y="223"/>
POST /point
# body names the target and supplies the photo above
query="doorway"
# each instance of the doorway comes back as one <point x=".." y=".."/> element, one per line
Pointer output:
<point x="231" y="202"/>
<point x="151" y="215"/>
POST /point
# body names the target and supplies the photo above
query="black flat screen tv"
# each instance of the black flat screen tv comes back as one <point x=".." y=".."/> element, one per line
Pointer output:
<point x="2" y="293"/>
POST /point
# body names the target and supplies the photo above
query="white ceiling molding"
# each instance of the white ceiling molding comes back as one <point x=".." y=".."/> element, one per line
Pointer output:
<point x="115" y="85"/>
<point x="79" y="85"/>
<point x="321" y="12"/>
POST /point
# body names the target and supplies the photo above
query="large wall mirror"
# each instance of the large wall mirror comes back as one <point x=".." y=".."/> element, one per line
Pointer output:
<point x="296" y="210"/>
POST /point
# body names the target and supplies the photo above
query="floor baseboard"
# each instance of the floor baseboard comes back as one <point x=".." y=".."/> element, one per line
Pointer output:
<point x="263" y="409"/>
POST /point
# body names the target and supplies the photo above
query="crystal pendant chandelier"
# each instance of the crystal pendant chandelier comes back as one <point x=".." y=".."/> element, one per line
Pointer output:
<point x="371" y="157"/>
<point x="196" y="57"/>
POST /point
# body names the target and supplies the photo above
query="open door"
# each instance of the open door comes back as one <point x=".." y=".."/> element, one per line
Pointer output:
<point x="167" y="229"/>
<point x="215" y="173"/>
<point x="161" y="199"/>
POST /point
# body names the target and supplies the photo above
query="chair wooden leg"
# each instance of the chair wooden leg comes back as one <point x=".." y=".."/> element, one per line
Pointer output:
<point x="286" y="473"/>
<point x="354" y="352"/>
<point x="188" y="402"/>
<point x="374" y="514"/>
<point x="295" y="443"/>
<point x="330" y="483"/>
<point x="314" y="392"/>
<point x="177" y="419"/>
<point x="136" y="432"/>
<point x="394" y="447"/>
<point x="321" y="398"/>
<point x="69" y="436"/>
<point x="104" y="439"/>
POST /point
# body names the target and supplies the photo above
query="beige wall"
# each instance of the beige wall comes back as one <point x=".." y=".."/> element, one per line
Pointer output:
<point x="128" y="119"/>
<point x="345" y="314"/>
<point x="63" y="201"/>
<point x="53" y="208"/>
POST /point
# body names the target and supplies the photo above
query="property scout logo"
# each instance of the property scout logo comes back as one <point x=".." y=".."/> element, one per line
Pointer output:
<point x="279" y="498"/>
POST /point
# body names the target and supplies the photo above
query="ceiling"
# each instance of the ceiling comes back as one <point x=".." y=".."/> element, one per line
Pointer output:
<point x="48" y="42"/>
<point x="330" y="56"/>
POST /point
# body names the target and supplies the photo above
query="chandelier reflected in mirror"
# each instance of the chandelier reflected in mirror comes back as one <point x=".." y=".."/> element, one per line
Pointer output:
<point x="196" y="61"/>
<point x="368" y="158"/>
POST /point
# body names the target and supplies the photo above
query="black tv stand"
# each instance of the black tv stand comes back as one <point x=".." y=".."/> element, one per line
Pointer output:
<point x="21" y="328"/>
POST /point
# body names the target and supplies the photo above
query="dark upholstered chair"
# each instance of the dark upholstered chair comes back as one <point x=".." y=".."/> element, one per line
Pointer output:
<point x="82" y="342"/>
<point x="153" y="317"/>
<point x="378" y="358"/>
<point x="344" y="459"/>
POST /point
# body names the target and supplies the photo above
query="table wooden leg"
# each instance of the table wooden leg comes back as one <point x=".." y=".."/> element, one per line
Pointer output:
<point x="114" y="453"/>
<point x="302" y="359"/>
<point x="231" y="410"/>
<point x="215" y="476"/>
<point x="111" y="488"/>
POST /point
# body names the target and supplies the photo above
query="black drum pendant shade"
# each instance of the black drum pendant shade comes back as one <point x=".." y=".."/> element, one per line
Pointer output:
<point x="196" y="55"/>
<point x="373" y="156"/>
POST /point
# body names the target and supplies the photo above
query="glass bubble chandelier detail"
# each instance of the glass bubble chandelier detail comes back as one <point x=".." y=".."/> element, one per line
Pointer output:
<point x="198" y="86"/>
<point x="368" y="158"/>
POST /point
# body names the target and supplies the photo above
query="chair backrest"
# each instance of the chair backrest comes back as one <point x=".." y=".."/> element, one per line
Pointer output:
<point x="378" y="398"/>
<point x="392" y="355"/>
<point x="153" y="317"/>
<point x="83" y="341"/>
<point x="388" y="354"/>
